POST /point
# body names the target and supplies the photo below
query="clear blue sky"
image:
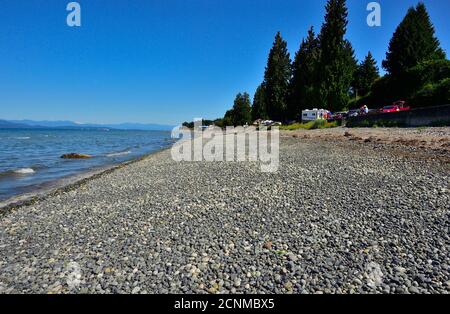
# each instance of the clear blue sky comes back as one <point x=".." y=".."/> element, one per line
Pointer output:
<point x="161" y="61"/>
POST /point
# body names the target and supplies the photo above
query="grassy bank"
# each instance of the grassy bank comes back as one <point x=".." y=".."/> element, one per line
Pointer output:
<point x="312" y="125"/>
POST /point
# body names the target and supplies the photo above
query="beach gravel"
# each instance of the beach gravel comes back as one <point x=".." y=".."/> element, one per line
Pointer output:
<point x="336" y="218"/>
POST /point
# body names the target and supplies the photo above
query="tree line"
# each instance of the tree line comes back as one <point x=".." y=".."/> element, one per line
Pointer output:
<point x="326" y="74"/>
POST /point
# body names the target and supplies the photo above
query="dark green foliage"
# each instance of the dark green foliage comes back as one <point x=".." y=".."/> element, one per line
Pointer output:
<point x="384" y="92"/>
<point x="222" y="123"/>
<point x="413" y="42"/>
<point x="241" y="113"/>
<point x="276" y="80"/>
<point x="433" y="95"/>
<point x="337" y="63"/>
<point x="416" y="65"/>
<point x="366" y="74"/>
<point x="416" y="85"/>
<point x="303" y="85"/>
<point x="225" y="121"/>
<point x="428" y="72"/>
<point x="228" y="118"/>
<point x="259" y="103"/>
<point x="242" y="110"/>
<point x="354" y="103"/>
<point x="190" y="125"/>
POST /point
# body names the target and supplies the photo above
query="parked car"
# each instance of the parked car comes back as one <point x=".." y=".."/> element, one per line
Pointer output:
<point x="338" y="116"/>
<point x="353" y="113"/>
<point x="397" y="106"/>
<point x="402" y="105"/>
<point x="390" y="109"/>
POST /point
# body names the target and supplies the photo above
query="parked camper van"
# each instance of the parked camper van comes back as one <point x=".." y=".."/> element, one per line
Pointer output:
<point x="315" y="114"/>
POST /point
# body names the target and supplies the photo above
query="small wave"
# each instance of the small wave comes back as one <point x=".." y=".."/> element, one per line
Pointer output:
<point x="24" y="171"/>
<point x="22" y="138"/>
<point x="36" y="167"/>
<point x="119" y="154"/>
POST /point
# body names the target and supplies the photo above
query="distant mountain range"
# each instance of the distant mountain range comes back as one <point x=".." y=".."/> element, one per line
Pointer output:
<point x="24" y="124"/>
<point x="10" y="125"/>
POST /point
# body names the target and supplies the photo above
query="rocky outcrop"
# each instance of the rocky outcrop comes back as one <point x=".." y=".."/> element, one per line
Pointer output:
<point x="75" y="156"/>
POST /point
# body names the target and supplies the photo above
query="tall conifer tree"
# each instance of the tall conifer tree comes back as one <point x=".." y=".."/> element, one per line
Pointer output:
<point x="414" y="41"/>
<point x="337" y="63"/>
<point x="365" y="75"/>
<point x="276" y="79"/>
<point x="241" y="112"/>
<point x="259" y="103"/>
<point x="303" y="86"/>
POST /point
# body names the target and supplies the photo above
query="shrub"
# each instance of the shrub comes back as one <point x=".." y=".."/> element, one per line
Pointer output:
<point x="433" y="95"/>
<point x="429" y="72"/>
<point x="354" y="103"/>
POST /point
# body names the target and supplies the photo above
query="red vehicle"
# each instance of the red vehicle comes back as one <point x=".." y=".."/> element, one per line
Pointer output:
<point x="396" y="107"/>
<point x="390" y="109"/>
<point x="402" y="105"/>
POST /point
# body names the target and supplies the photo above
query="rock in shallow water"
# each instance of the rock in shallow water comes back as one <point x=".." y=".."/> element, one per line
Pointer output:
<point x="75" y="156"/>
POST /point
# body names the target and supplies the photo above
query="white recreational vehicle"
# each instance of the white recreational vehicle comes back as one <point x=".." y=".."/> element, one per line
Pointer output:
<point x="314" y="114"/>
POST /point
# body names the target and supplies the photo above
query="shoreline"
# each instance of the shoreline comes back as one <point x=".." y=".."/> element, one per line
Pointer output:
<point x="360" y="136"/>
<point x="66" y="184"/>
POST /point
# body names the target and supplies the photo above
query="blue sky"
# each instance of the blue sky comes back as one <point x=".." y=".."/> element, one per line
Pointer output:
<point x="162" y="61"/>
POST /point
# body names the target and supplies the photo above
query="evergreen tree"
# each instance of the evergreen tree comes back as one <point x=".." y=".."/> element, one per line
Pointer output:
<point x="259" y="103"/>
<point x="413" y="42"/>
<point x="276" y="79"/>
<point x="303" y="85"/>
<point x="241" y="112"/>
<point x="365" y="75"/>
<point x="337" y="63"/>
<point x="228" y="118"/>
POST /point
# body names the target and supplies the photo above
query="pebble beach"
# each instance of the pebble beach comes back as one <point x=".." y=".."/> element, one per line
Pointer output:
<point x="338" y="217"/>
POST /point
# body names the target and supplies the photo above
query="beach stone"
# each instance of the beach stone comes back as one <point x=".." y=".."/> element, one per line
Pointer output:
<point x="75" y="156"/>
<point x="268" y="245"/>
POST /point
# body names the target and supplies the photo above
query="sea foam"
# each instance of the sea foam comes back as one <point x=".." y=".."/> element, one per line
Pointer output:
<point x="24" y="171"/>
<point x="119" y="154"/>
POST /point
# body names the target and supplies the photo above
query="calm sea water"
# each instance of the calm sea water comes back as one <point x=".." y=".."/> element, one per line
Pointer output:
<point x="30" y="158"/>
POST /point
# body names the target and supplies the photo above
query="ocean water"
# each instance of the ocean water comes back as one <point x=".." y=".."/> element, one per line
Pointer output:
<point x="30" y="158"/>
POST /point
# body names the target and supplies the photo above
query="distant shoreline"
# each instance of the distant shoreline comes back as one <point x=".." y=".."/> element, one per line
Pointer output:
<point x="69" y="125"/>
